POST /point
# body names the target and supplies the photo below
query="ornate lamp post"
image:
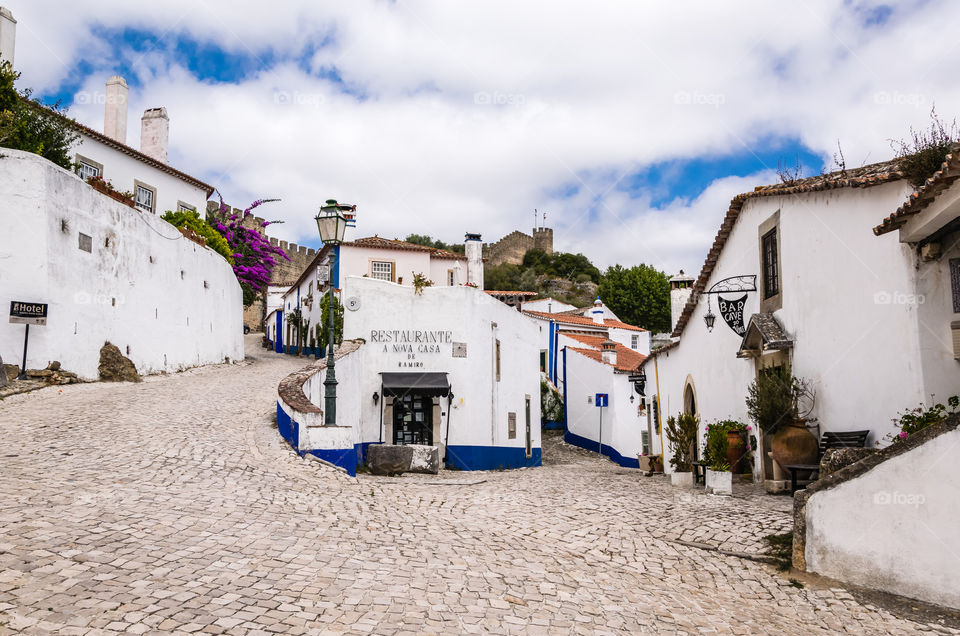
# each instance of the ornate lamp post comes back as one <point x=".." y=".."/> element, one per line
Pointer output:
<point x="332" y="223"/>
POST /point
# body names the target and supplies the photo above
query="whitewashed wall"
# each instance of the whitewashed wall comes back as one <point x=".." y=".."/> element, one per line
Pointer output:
<point x="548" y="305"/>
<point x="121" y="170"/>
<point x="909" y="505"/>
<point x="479" y="411"/>
<point x="161" y="310"/>
<point x="625" y="337"/>
<point x="933" y="298"/>
<point x="622" y="424"/>
<point x="860" y="353"/>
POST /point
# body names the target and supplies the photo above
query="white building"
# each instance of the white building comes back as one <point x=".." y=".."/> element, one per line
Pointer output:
<point x="547" y="305"/>
<point x="450" y="367"/>
<point x="155" y="185"/>
<point x="867" y="319"/>
<point x="373" y="257"/>
<point x="108" y="272"/>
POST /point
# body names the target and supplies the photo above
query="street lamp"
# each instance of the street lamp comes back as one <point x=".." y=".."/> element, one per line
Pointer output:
<point x="332" y="224"/>
<point x="709" y="318"/>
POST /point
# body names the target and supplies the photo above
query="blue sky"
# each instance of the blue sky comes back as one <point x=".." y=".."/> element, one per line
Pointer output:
<point x="437" y="118"/>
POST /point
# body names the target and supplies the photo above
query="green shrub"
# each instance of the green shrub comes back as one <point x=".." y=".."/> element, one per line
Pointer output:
<point x="682" y="433"/>
<point x="192" y="221"/>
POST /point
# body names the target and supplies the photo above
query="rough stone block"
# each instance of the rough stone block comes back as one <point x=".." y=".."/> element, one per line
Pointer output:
<point x="115" y="367"/>
<point x="836" y="458"/>
<point x="383" y="459"/>
<point x="425" y="459"/>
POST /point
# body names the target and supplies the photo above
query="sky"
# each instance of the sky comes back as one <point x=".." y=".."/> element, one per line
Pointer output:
<point x="630" y="124"/>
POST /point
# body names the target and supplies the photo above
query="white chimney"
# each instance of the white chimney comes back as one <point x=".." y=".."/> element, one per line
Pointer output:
<point x="115" y="109"/>
<point x="473" y="249"/>
<point x="597" y="312"/>
<point x="681" y="286"/>
<point x="155" y="133"/>
<point x="8" y="35"/>
<point x="608" y="352"/>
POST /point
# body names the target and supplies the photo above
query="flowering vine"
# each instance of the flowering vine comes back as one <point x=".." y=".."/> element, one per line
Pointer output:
<point x="253" y="256"/>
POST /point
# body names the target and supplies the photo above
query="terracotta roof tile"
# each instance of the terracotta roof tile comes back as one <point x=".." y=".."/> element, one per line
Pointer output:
<point x="628" y="360"/>
<point x="497" y="292"/>
<point x="396" y="244"/>
<point x="871" y="175"/>
<point x="581" y="320"/>
<point x="938" y="182"/>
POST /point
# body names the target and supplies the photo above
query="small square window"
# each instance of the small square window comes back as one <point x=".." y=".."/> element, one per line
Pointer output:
<point x="382" y="270"/>
<point x="144" y="198"/>
<point x="87" y="170"/>
<point x="86" y="242"/>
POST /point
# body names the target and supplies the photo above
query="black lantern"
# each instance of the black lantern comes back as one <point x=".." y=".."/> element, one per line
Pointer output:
<point x="709" y="318"/>
<point x="332" y="222"/>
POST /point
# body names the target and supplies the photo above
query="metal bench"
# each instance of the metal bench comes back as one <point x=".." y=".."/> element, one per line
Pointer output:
<point x="830" y="439"/>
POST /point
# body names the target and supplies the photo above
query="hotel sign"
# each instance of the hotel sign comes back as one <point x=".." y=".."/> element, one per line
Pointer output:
<point x="28" y="313"/>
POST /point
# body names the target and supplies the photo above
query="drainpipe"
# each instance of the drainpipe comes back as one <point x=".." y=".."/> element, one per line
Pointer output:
<point x="663" y="449"/>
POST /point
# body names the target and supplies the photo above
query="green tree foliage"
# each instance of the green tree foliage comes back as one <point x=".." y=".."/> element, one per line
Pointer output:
<point x="562" y="265"/>
<point x="505" y="276"/>
<point x="26" y="124"/>
<point x="192" y="221"/>
<point x="325" y="320"/>
<point x="639" y="295"/>
<point x="427" y="241"/>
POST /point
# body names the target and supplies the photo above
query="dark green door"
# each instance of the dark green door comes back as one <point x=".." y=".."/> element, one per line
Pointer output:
<point x="413" y="420"/>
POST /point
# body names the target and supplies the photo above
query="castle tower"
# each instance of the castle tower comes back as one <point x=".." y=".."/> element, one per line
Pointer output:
<point x="681" y="286"/>
<point x="543" y="239"/>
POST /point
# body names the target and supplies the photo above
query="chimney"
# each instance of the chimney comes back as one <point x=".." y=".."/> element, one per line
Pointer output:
<point x="597" y="312"/>
<point x="608" y="352"/>
<point x="8" y="35"/>
<point x="155" y="133"/>
<point x="473" y="249"/>
<point x="115" y="109"/>
<point x="681" y="286"/>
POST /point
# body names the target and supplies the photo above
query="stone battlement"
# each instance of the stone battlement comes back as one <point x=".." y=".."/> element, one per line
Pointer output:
<point x="514" y="246"/>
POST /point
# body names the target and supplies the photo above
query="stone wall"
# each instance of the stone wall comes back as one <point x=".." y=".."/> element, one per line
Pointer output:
<point x="512" y="247"/>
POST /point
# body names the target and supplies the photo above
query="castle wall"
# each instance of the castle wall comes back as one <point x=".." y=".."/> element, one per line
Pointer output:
<point x="514" y="246"/>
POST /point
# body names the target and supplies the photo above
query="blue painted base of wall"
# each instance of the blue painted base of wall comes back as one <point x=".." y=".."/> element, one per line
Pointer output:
<point x="345" y="458"/>
<point x="552" y="426"/>
<point x="609" y="451"/>
<point x="490" y="457"/>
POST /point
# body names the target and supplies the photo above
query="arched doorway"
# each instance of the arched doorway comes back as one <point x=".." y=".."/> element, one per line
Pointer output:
<point x="689" y="399"/>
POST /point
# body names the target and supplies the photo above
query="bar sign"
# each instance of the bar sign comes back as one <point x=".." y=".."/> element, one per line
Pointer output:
<point x="24" y="313"/>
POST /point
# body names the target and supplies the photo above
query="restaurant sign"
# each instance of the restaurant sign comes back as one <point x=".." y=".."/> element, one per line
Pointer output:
<point x="411" y="343"/>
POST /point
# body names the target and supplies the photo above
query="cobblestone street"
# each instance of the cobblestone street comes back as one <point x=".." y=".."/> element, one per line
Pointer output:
<point x="174" y="506"/>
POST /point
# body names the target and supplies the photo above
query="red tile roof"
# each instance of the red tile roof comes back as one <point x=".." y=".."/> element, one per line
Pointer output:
<point x="581" y="320"/>
<point x="396" y="244"/>
<point x="628" y="360"/>
<point x="938" y="182"/>
<point x="871" y="175"/>
<point x="497" y="292"/>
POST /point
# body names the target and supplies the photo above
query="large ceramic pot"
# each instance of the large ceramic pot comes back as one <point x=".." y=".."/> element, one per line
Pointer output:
<point x="736" y="448"/>
<point x="794" y="444"/>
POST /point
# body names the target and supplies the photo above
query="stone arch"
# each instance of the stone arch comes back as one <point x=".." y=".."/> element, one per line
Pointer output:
<point x="690" y="403"/>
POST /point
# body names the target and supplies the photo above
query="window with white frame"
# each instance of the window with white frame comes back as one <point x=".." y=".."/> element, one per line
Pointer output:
<point x="183" y="207"/>
<point x="87" y="170"/>
<point x="144" y="197"/>
<point x="382" y="270"/>
<point x="634" y="341"/>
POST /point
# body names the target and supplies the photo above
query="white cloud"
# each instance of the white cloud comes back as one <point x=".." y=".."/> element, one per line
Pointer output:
<point x="474" y="114"/>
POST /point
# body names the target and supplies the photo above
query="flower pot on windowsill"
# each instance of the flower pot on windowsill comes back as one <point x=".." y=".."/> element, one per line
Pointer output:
<point x="682" y="479"/>
<point x="719" y="482"/>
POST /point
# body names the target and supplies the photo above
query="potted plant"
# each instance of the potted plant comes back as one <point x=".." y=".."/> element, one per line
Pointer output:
<point x="682" y="433"/>
<point x="656" y="463"/>
<point x="780" y="403"/>
<point x="719" y="479"/>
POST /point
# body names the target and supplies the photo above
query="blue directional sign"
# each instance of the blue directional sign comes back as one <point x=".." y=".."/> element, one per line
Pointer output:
<point x="600" y="400"/>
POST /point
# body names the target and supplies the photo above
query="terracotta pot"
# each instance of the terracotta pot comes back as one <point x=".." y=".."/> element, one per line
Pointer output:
<point x="794" y="444"/>
<point x="735" y="451"/>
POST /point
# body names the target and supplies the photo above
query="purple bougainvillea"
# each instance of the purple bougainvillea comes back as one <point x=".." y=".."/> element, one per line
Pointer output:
<point x="254" y="256"/>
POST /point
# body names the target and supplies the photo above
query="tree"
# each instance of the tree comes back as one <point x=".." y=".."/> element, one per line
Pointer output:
<point x="505" y="277"/>
<point x="27" y="124"/>
<point x="640" y="295"/>
<point x="253" y="255"/>
<point x="325" y="320"/>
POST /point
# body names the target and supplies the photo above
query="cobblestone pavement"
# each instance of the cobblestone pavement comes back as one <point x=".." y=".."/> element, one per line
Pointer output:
<point x="173" y="506"/>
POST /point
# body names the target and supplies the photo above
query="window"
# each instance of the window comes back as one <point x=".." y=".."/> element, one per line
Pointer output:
<point x="498" y="360"/>
<point x="543" y="361"/>
<point x="85" y="242"/>
<point x="634" y="341"/>
<point x="183" y="207"/>
<point x="310" y="289"/>
<point x="771" y="268"/>
<point x="511" y="425"/>
<point x="86" y="169"/>
<point x="144" y="197"/>
<point x="382" y="270"/>
<point x="955" y="283"/>
<point x="451" y="278"/>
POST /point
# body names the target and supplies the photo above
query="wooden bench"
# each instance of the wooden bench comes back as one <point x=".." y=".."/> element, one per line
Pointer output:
<point x="830" y="439"/>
